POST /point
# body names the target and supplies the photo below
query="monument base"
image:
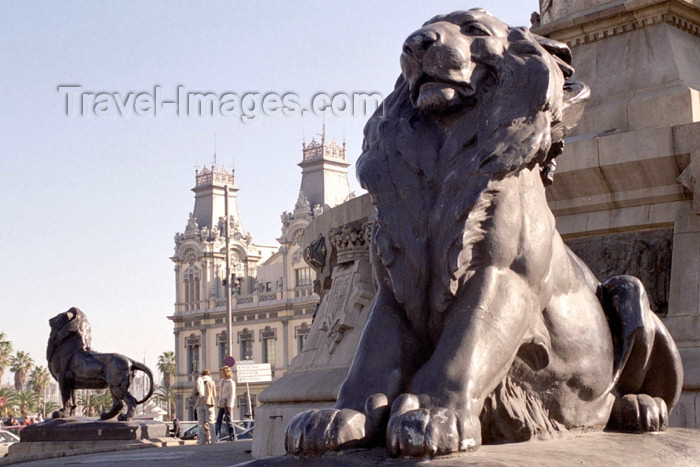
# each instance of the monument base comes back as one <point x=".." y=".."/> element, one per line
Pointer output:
<point x="677" y="446"/>
<point x="81" y="434"/>
<point x="90" y="429"/>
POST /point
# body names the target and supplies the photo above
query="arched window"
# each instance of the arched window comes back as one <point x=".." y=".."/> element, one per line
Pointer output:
<point x="222" y="347"/>
<point x="301" y="333"/>
<point x="268" y="336"/>
<point x="302" y="277"/>
<point x="192" y="346"/>
<point x="192" y="287"/>
<point x="245" y="339"/>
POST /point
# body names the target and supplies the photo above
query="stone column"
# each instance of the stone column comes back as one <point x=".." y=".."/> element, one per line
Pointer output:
<point x="285" y="341"/>
<point x="203" y="348"/>
<point x="632" y="163"/>
<point x="177" y="287"/>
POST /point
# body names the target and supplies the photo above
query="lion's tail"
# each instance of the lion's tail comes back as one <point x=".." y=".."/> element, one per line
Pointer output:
<point x="139" y="366"/>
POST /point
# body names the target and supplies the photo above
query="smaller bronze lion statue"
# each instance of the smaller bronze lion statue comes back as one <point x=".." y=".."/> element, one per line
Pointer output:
<point x="75" y="366"/>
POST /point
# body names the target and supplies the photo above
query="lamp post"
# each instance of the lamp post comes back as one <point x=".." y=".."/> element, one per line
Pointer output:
<point x="228" y="276"/>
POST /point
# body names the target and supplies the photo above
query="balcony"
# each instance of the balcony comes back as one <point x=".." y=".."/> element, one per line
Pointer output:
<point x="247" y="302"/>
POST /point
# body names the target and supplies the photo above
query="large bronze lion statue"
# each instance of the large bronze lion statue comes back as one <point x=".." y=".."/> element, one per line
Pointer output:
<point x="485" y="327"/>
<point x="75" y="366"/>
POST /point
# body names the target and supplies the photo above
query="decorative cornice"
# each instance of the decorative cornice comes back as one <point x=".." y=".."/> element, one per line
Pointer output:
<point x="601" y="24"/>
<point x="215" y="176"/>
<point x="315" y="150"/>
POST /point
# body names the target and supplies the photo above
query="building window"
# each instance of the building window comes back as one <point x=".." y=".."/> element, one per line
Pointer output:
<point x="222" y="347"/>
<point x="302" y="277"/>
<point x="269" y="351"/>
<point x="268" y="336"/>
<point x="245" y="339"/>
<point x="302" y="332"/>
<point x="192" y="345"/>
<point x="192" y="288"/>
<point x="190" y="409"/>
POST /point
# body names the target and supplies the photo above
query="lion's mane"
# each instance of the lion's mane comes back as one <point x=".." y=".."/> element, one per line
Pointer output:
<point x="70" y="327"/>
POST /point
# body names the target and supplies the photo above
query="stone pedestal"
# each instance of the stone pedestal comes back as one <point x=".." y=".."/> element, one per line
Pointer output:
<point x="627" y="181"/>
<point x="82" y="433"/>
<point x="86" y="429"/>
<point x="341" y="258"/>
<point x="674" y="447"/>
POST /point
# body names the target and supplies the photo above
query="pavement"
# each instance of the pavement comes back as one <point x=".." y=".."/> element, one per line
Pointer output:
<point x="210" y="455"/>
<point x="675" y="447"/>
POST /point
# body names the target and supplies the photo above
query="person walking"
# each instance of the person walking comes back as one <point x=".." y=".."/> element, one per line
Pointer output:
<point x="226" y="389"/>
<point x="205" y="392"/>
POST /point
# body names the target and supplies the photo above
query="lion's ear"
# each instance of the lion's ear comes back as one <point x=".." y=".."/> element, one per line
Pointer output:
<point x="576" y="95"/>
<point x="520" y="42"/>
<point x="560" y="52"/>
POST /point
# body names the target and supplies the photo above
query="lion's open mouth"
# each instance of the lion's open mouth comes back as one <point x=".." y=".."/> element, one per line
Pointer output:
<point x="429" y="92"/>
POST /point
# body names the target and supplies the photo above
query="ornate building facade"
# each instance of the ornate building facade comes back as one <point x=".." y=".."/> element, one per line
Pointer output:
<point x="272" y="287"/>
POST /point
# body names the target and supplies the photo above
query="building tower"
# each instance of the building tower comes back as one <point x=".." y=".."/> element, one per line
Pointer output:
<point x="272" y="295"/>
<point x="324" y="185"/>
<point x="199" y="320"/>
<point x="324" y="173"/>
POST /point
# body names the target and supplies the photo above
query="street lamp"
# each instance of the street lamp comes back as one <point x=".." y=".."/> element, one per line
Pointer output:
<point x="229" y="331"/>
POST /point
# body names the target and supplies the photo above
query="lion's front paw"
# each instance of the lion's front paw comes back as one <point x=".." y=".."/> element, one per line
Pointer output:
<point x="419" y="432"/>
<point x="317" y="431"/>
<point x="639" y="412"/>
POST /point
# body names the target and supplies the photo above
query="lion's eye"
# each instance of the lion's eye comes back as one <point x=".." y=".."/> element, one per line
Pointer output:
<point x="475" y="29"/>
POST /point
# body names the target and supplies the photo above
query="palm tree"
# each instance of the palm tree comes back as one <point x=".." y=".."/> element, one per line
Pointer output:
<point x="101" y="401"/>
<point x="39" y="381"/>
<point x="5" y="353"/>
<point x="83" y="398"/>
<point x="11" y="399"/>
<point x="94" y="402"/>
<point x="50" y="407"/>
<point x="28" y="402"/>
<point x="21" y="363"/>
<point x="166" y="365"/>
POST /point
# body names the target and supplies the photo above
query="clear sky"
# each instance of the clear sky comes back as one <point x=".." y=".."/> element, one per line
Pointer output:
<point x="90" y="203"/>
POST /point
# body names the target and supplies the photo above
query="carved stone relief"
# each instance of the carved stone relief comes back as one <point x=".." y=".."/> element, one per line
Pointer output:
<point x="333" y="322"/>
<point x="336" y="257"/>
<point x="646" y="255"/>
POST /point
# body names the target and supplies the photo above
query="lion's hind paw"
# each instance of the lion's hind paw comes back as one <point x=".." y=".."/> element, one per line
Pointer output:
<point x="639" y="413"/>
<point x="318" y="431"/>
<point x="417" y="432"/>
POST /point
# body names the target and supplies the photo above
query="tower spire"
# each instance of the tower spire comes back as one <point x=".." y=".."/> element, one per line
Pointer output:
<point x="324" y="179"/>
<point x="213" y="164"/>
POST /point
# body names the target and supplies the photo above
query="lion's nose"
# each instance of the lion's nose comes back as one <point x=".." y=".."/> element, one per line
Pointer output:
<point x="417" y="43"/>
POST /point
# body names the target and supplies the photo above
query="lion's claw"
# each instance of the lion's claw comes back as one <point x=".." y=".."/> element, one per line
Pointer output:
<point x="417" y="432"/>
<point x="318" y="431"/>
<point x="639" y="412"/>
